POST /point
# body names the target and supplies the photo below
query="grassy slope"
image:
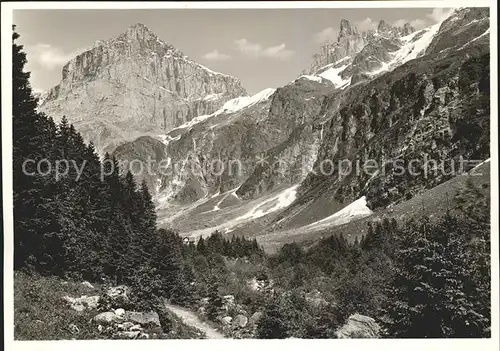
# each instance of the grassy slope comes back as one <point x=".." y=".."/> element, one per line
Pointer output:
<point x="41" y="314"/>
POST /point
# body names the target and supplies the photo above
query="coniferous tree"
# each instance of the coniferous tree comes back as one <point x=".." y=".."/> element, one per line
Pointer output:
<point x="437" y="291"/>
<point x="214" y="300"/>
<point x="272" y="324"/>
<point x="169" y="260"/>
<point x="200" y="246"/>
<point x="33" y="134"/>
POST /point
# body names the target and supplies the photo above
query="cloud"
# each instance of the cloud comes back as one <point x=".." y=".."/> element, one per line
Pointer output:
<point x="366" y="24"/>
<point x="327" y="34"/>
<point x="50" y="57"/>
<point x="417" y="23"/>
<point x="254" y="50"/>
<point x="215" y="55"/>
<point x="437" y="15"/>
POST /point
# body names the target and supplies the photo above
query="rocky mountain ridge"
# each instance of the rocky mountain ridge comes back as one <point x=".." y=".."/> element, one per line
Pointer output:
<point x="135" y="84"/>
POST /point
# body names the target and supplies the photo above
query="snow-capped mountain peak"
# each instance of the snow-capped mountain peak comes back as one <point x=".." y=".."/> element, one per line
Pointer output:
<point x="359" y="56"/>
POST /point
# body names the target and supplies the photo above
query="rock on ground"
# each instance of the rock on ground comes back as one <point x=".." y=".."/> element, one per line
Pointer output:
<point x="119" y="294"/>
<point x="359" y="327"/>
<point x="144" y="318"/>
<point x="127" y="335"/>
<point x="88" y="285"/>
<point x="227" y="320"/>
<point x="81" y="303"/>
<point x="240" y="321"/>
<point x="254" y="319"/>
<point x="107" y="318"/>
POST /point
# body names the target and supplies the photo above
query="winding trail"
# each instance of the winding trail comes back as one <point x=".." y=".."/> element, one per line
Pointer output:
<point x="192" y="320"/>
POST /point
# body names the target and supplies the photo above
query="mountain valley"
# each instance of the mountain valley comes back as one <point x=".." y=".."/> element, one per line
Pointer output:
<point x="387" y="94"/>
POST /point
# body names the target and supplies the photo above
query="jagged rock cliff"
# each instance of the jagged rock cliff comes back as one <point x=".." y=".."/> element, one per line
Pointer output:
<point x="359" y="57"/>
<point x="366" y="51"/>
<point x="274" y="126"/>
<point x="135" y="84"/>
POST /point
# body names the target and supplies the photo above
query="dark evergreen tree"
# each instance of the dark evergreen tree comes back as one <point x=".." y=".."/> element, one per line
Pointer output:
<point x="214" y="300"/>
<point x="33" y="134"/>
<point x="436" y="291"/>
<point x="272" y="324"/>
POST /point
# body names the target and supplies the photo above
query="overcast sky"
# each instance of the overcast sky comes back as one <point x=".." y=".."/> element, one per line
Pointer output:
<point x="264" y="48"/>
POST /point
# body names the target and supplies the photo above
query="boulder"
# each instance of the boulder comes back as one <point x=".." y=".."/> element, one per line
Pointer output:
<point x="120" y="312"/>
<point x="239" y="309"/>
<point x="254" y="319"/>
<point x="119" y="294"/>
<point x="359" y="327"/>
<point x="125" y="326"/>
<point x="136" y="327"/>
<point x="253" y="284"/>
<point x="90" y="302"/>
<point x="107" y="318"/>
<point x="87" y="285"/>
<point x="78" y="307"/>
<point x="240" y="321"/>
<point x="127" y="335"/>
<point x="144" y="318"/>
<point x="228" y="299"/>
<point x="73" y="328"/>
<point x="227" y="320"/>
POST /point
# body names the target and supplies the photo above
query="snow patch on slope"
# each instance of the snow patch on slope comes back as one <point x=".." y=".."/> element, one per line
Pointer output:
<point x="280" y="201"/>
<point x="477" y="38"/>
<point x="41" y="95"/>
<point x="174" y="55"/>
<point x="414" y="46"/>
<point x="479" y="165"/>
<point x="247" y="101"/>
<point x="313" y="78"/>
<point x="355" y="210"/>
<point x="333" y="75"/>
<point x="232" y="106"/>
<point x="211" y="97"/>
<point x="166" y="139"/>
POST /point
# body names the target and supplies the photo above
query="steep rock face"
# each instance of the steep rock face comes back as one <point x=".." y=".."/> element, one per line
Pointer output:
<point x="461" y="29"/>
<point x="435" y="107"/>
<point x="144" y="149"/>
<point x="251" y="150"/>
<point x="348" y="44"/>
<point x="135" y="84"/>
<point x="295" y="115"/>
